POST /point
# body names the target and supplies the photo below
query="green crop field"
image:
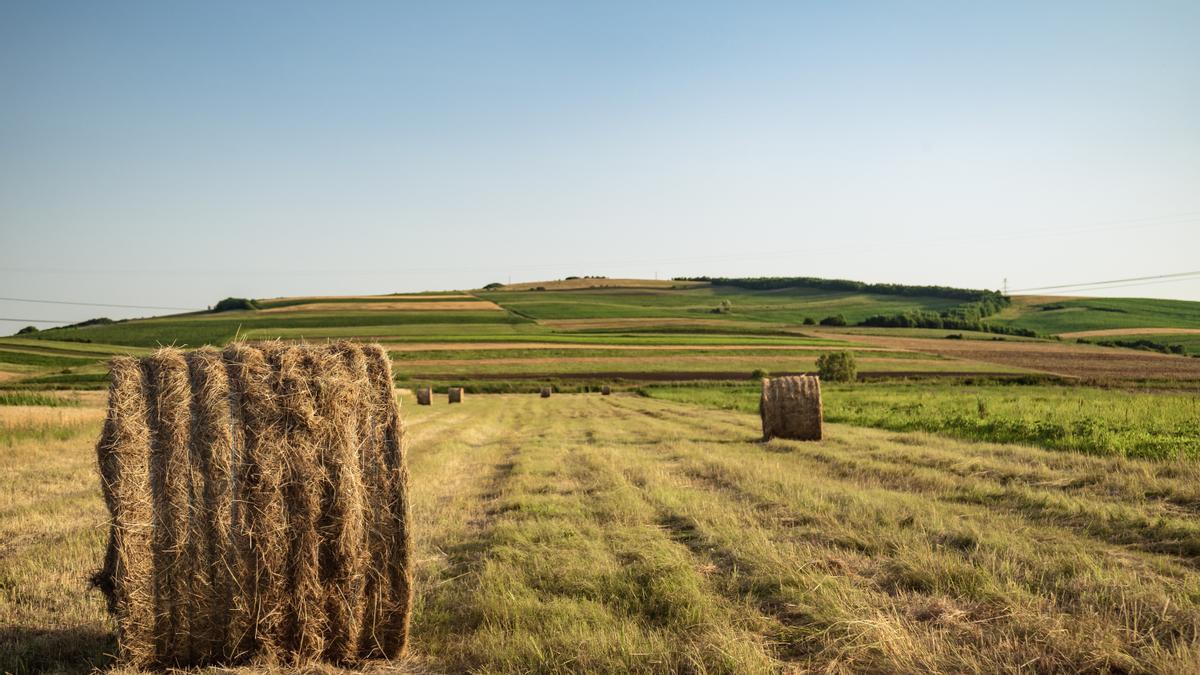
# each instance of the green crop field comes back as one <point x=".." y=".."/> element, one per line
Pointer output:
<point x="1079" y="314"/>
<point x="774" y="306"/>
<point x="1161" y="425"/>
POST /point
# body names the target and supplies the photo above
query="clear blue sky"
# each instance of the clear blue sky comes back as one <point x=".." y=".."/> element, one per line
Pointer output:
<point x="171" y="153"/>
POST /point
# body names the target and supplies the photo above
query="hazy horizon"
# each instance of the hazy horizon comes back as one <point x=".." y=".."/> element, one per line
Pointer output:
<point x="173" y="155"/>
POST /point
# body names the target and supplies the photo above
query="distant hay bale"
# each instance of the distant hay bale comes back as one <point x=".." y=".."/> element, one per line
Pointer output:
<point x="454" y="394"/>
<point x="424" y="396"/>
<point x="605" y="390"/>
<point x="546" y="392"/>
<point x="259" y="503"/>
<point x="790" y="407"/>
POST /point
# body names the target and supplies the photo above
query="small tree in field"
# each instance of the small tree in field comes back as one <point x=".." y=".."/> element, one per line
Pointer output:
<point x="837" y="367"/>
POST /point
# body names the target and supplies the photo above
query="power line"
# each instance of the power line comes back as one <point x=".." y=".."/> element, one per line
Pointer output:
<point x="98" y="304"/>
<point x="1177" y="275"/>
<point x="39" y="320"/>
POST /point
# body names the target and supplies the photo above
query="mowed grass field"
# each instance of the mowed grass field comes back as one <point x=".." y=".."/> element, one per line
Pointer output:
<point x="626" y="534"/>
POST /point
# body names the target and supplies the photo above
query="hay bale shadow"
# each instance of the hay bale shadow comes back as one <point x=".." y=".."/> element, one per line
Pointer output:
<point x="82" y="649"/>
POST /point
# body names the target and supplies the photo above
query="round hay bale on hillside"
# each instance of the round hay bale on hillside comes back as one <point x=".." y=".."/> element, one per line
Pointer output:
<point x="424" y="396"/>
<point x="605" y="390"/>
<point x="790" y="407"/>
<point x="455" y="394"/>
<point x="546" y="392"/>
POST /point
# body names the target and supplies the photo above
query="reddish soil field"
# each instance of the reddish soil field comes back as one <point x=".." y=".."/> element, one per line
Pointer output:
<point x="685" y="376"/>
<point x="1072" y="360"/>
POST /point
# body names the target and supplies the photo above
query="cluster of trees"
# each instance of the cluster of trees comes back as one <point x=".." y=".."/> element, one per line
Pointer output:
<point x="975" y="305"/>
<point x="837" y="367"/>
<point x="773" y="283"/>
<point x="1143" y="344"/>
<point x="950" y="319"/>
<point x="230" y="304"/>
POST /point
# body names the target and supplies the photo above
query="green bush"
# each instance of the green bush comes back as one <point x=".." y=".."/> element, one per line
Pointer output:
<point x="837" y="367"/>
<point x="229" y="304"/>
<point x="809" y="321"/>
<point x="835" y="320"/>
<point x="27" y="330"/>
<point x="759" y="374"/>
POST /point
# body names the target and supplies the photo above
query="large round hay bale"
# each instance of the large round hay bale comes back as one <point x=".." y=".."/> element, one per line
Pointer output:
<point x="454" y="394"/>
<point x="424" y="396"/>
<point x="790" y="407"/>
<point x="546" y="392"/>
<point x="605" y="390"/>
<point x="259" y="502"/>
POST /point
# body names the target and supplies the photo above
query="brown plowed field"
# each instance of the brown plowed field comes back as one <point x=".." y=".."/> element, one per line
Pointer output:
<point x="431" y="306"/>
<point x="484" y="346"/>
<point x="1073" y="360"/>
<point x="684" y="376"/>
<point x="650" y="361"/>
<point x="1115" y="332"/>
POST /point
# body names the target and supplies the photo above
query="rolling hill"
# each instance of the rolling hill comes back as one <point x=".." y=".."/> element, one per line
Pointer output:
<point x="579" y="331"/>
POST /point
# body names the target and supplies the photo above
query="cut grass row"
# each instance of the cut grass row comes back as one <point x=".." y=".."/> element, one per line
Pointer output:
<point x="1104" y="422"/>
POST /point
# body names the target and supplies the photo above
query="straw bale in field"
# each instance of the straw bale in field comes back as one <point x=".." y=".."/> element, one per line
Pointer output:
<point x="546" y="392"/>
<point x="454" y="394"/>
<point x="424" y="396"/>
<point x="790" y="407"/>
<point x="259" y="507"/>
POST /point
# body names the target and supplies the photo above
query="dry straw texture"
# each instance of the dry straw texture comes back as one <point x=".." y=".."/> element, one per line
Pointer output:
<point x="791" y="408"/>
<point x="546" y="392"/>
<point x="454" y="394"/>
<point x="424" y="396"/>
<point x="259" y="507"/>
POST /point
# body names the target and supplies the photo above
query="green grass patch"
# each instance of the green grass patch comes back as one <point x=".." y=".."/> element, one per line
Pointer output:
<point x="218" y="329"/>
<point x="1080" y="419"/>
<point x="1066" y="316"/>
<point x="786" y="305"/>
<point x="36" y="398"/>
<point x="23" y="358"/>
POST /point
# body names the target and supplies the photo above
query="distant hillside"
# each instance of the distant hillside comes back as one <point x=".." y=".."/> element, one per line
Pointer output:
<point x="707" y="305"/>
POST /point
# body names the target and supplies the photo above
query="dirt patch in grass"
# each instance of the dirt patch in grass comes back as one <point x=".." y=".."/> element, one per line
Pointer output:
<point x="1072" y="360"/>
<point x="435" y="306"/>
